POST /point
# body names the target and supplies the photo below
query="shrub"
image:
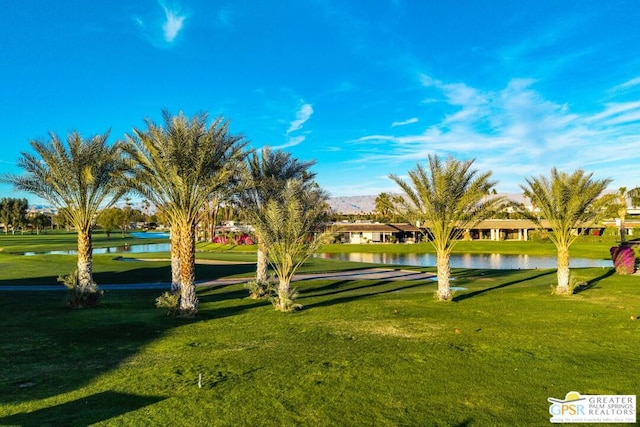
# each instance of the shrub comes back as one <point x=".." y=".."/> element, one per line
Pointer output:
<point x="539" y="236"/>
<point x="169" y="301"/>
<point x="80" y="296"/>
<point x="624" y="259"/>
<point x="286" y="303"/>
<point x="259" y="289"/>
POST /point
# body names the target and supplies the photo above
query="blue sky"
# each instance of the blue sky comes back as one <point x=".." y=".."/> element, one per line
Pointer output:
<point x="366" y="88"/>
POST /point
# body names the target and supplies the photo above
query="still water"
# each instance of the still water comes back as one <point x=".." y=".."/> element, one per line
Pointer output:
<point x="481" y="261"/>
<point x="129" y="249"/>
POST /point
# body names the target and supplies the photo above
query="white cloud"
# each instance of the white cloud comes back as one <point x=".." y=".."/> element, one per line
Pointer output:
<point x="291" y="142"/>
<point x="161" y="29"/>
<point x="626" y="85"/>
<point x="303" y="114"/>
<point x="515" y="132"/>
<point x="616" y="109"/>
<point x="172" y="25"/>
<point x="405" y="122"/>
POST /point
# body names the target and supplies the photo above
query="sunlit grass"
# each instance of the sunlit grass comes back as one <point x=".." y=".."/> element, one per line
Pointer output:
<point x="359" y="353"/>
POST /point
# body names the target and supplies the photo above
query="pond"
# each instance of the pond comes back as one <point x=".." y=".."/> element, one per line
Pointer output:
<point x="480" y="261"/>
<point x="129" y="249"/>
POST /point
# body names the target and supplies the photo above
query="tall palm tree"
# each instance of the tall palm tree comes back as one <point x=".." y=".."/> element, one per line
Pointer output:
<point x="448" y="198"/>
<point x="289" y="227"/>
<point x="179" y="164"/>
<point x="79" y="179"/>
<point x="266" y="175"/>
<point x="567" y="202"/>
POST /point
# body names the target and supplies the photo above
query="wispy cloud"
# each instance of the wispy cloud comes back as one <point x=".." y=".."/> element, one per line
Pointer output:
<point x="515" y="132"/>
<point x="626" y="85"/>
<point x="302" y="116"/>
<point x="405" y="122"/>
<point x="173" y="23"/>
<point x="161" y="30"/>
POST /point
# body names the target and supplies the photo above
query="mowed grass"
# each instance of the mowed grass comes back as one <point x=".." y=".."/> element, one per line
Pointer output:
<point x="359" y="353"/>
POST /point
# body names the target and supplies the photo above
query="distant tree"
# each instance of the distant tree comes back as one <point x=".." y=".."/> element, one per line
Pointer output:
<point x="5" y="213"/>
<point x="40" y="221"/>
<point x="62" y="219"/>
<point x="13" y="213"/>
<point x="384" y="205"/>
<point x="623" y="198"/>
<point x="634" y="195"/>
<point x="146" y="205"/>
<point x="81" y="177"/>
<point x="449" y="197"/>
<point x="18" y="214"/>
<point x="567" y="202"/>
<point x="110" y="219"/>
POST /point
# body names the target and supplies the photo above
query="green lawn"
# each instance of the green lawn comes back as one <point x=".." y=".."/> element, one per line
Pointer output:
<point x="359" y="353"/>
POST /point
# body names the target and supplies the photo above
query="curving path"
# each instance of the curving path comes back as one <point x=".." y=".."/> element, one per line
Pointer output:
<point x="360" y="274"/>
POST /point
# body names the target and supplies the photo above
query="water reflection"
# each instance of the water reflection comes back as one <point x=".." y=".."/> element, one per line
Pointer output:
<point x="129" y="249"/>
<point x="487" y="261"/>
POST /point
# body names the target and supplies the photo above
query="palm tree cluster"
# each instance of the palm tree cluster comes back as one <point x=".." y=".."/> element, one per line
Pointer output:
<point x="182" y="164"/>
<point x="450" y="197"/>
<point x="178" y="166"/>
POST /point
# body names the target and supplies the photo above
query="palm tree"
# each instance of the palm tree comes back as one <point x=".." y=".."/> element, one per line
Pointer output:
<point x="288" y="226"/>
<point x="623" y="197"/>
<point x="566" y="202"/>
<point x="448" y="198"/>
<point x="178" y="166"/>
<point x="267" y="174"/>
<point x="79" y="179"/>
<point x="384" y="205"/>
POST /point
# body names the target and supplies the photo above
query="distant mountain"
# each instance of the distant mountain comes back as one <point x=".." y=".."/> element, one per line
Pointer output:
<point x="353" y="204"/>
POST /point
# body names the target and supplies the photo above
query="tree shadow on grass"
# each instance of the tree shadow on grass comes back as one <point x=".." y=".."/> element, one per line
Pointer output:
<point x="376" y="288"/>
<point x="472" y="294"/>
<point x="84" y="411"/>
<point x="48" y="349"/>
<point x="328" y="289"/>
<point x="589" y="284"/>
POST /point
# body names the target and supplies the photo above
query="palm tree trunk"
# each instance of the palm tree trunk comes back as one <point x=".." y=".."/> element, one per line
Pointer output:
<point x="563" y="271"/>
<point x="188" y="299"/>
<point x="175" y="258"/>
<point x="261" y="264"/>
<point x="444" y="273"/>
<point x="284" y="292"/>
<point x="85" y="258"/>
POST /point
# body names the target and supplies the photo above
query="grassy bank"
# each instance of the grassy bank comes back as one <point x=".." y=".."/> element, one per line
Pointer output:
<point x="594" y="249"/>
<point x="588" y="247"/>
<point x="359" y="353"/>
<point x="16" y="269"/>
